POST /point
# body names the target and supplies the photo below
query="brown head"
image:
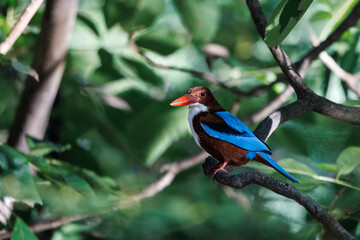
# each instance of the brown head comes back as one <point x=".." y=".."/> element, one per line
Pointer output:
<point x="199" y="95"/>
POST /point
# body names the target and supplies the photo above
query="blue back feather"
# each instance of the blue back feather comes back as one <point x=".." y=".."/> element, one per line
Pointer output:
<point x="246" y="139"/>
<point x="250" y="155"/>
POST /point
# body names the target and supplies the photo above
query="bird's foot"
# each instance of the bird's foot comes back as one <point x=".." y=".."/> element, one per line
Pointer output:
<point x="221" y="168"/>
<point x="217" y="170"/>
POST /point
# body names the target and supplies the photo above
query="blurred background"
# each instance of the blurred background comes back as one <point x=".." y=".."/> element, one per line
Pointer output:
<point x="112" y="128"/>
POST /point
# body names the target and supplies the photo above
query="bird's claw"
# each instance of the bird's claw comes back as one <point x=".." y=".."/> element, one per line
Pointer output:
<point x="217" y="170"/>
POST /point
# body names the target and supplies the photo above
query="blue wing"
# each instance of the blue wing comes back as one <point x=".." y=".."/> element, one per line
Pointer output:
<point x="235" y="132"/>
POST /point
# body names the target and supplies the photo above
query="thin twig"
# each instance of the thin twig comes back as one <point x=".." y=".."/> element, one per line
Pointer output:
<point x="272" y="106"/>
<point x="20" y="25"/>
<point x="210" y="78"/>
<point x="349" y="79"/>
<point x="262" y="88"/>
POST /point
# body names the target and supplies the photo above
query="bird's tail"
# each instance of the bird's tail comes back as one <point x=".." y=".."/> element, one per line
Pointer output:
<point x="270" y="162"/>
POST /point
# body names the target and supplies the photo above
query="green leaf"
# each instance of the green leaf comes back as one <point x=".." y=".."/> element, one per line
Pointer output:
<point x="22" y="232"/>
<point x="94" y="18"/>
<point x="166" y="35"/>
<point x="174" y="127"/>
<point x="201" y="18"/>
<point x="348" y="160"/>
<point x="328" y="167"/>
<point x="134" y="14"/>
<point x="115" y="39"/>
<point x="309" y="232"/>
<point x="84" y="38"/>
<point x="42" y="147"/>
<point x="78" y="184"/>
<point x="123" y="85"/>
<point x="18" y="66"/>
<point x="145" y="13"/>
<point x="293" y="166"/>
<point x="320" y="16"/>
<point x="152" y="140"/>
<point x="16" y="178"/>
<point x="337" y="181"/>
<point x="286" y="15"/>
<point x="309" y="184"/>
<point x="79" y="179"/>
<point x="338" y="17"/>
<point x="73" y="231"/>
<point x="25" y="69"/>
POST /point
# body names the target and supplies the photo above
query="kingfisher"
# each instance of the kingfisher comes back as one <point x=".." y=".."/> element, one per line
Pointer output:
<point x="223" y="135"/>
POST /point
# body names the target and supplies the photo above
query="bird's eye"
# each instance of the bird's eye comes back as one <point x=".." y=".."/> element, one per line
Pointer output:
<point x="202" y="94"/>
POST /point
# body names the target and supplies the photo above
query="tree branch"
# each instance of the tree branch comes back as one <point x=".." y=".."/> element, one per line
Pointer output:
<point x="49" y="62"/>
<point x="239" y="181"/>
<point x="337" y="111"/>
<point x="20" y="25"/>
<point x="307" y="99"/>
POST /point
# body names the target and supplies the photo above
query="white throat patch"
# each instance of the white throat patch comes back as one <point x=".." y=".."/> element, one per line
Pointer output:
<point x="194" y="110"/>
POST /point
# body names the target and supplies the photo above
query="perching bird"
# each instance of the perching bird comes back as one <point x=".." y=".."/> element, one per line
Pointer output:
<point x="223" y="135"/>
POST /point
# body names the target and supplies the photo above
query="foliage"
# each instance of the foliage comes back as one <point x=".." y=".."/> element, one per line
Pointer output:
<point x="286" y="15"/>
<point x="113" y="110"/>
<point x="22" y="232"/>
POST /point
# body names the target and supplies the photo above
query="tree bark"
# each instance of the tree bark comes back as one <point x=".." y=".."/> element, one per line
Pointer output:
<point x="49" y="61"/>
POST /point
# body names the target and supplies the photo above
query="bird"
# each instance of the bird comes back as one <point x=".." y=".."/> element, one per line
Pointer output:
<point x="223" y="135"/>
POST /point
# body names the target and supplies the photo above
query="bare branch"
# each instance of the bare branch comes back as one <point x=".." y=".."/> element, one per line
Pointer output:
<point x="170" y="171"/>
<point x="20" y="25"/>
<point x="239" y="181"/>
